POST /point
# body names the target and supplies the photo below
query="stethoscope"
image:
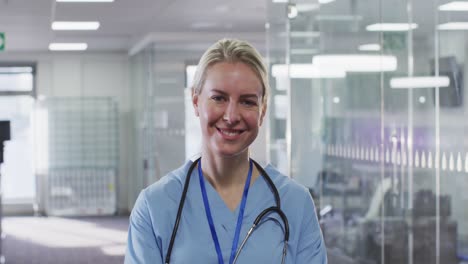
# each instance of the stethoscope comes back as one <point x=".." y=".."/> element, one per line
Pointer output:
<point x="275" y="209"/>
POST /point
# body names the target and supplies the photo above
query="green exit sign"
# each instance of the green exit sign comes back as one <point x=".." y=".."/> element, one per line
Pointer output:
<point x="2" y="41"/>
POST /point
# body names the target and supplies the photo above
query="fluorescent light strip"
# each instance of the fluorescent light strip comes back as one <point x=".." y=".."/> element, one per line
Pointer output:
<point x="391" y="27"/>
<point x="305" y="34"/>
<point x="68" y="46"/>
<point x="454" y="6"/>
<point x="70" y="25"/>
<point x="280" y="1"/>
<point x="338" y="18"/>
<point x="16" y="69"/>
<point x="356" y="62"/>
<point x="85" y="1"/>
<point x="322" y="2"/>
<point x="307" y="7"/>
<point x="453" y="26"/>
<point x="306" y="71"/>
<point x="420" y="82"/>
<point x="304" y="51"/>
<point x="369" y="47"/>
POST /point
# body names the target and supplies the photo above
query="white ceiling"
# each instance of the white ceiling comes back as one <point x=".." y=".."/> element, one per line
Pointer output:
<point x="125" y="23"/>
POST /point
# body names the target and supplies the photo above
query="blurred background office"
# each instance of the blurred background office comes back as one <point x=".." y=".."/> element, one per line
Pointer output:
<point x="367" y="110"/>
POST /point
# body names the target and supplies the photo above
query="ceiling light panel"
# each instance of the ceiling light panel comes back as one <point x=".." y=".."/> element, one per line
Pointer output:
<point x="369" y="47"/>
<point x="68" y="46"/>
<point x="85" y="1"/>
<point x="306" y="71"/>
<point x="391" y="27"/>
<point x="420" y="82"/>
<point x="74" y="25"/>
<point x="454" y="6"/>
<point x="453" y="26"/>
<point x="322" y="2"/>
<point x="16" y="69"/>
<point x="356" y="62"/>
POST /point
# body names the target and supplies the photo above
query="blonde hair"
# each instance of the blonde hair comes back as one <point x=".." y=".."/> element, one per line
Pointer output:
<point x="231" y="51"/>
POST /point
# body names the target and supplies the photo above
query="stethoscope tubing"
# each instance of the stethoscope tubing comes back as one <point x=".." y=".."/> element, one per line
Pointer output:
<point x="256" y="224"/>
<point x="276" y="209"/>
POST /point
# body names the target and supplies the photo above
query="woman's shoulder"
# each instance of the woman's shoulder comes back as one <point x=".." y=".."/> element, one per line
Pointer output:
<point x="282" y="181"/>
<point x="287" y="186"/>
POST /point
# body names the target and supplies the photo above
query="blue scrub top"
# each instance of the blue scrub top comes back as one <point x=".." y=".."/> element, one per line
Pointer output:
<point x="153" y="216"/>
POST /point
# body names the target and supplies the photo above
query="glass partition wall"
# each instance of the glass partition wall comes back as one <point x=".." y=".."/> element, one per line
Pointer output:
<point x="369" y="109"/>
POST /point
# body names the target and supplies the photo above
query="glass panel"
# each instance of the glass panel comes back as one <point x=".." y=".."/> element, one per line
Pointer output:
<point x="160" y="99"/>
<point x="77" y="147"/>
<point x="384" y="154"/>
<point x="277" y="42"/>
<point x="16" y="79"/>
<point x="452" y="56"/>
<point x="18" y="181"/>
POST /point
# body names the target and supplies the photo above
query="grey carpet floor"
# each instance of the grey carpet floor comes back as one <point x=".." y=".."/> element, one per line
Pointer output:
<point x="53" y="240"/>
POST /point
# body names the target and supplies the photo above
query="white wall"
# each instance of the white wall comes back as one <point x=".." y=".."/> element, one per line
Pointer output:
<point x="88" y="74"/>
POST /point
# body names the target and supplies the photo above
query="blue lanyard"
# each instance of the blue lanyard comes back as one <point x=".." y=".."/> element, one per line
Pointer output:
<point x="210" y="218"/>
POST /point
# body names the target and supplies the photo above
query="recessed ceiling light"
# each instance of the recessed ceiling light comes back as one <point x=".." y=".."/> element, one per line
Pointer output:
<point x="356" y="62"/>
<point x="280" y="1"/>
<point x="454" y="6"/>
<point x="322" y="2"/>
<point x="307" y="7"/>
<point x="305" y="34"/>
<point x="72" y="25"/>
<point x="85" y="1"/>
<point x="201" y="25"/>
<point x="453" y="26"/>
<point x="306" y="71"/>
<point x="391" y="27"/>
<point x="304" y="51"/>
<point x="68" y="46"/>
<point x="343" y="18"/>
<point x="420" y="82"/>
<point x="16" y="70"/>
<point x="369" y="47"/>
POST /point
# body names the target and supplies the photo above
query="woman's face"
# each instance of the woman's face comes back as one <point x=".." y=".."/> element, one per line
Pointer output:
<point x="230" y="108"/>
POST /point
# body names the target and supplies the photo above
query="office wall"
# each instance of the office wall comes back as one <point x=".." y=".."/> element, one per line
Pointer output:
<point x="88" y="75"/>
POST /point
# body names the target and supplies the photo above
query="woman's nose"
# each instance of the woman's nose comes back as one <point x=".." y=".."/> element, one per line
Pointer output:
<point x="232" y="113"/>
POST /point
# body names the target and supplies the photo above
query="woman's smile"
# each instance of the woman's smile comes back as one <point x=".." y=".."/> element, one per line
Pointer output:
<point x="230" y="134"/>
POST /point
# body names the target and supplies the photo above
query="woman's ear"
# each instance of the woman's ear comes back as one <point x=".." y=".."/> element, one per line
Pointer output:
<point x="195" y="102"/>
<point x="263" y="113"/>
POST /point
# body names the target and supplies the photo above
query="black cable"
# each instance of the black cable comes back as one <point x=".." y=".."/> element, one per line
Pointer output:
<point x="256" y="224"/>
<point x="280" y="213"/>
<point x="179" y="211"/>
<point x="270" y="183"/>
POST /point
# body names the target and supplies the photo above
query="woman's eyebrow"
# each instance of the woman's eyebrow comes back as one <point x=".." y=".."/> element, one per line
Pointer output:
<point x="249" y="95"/>
<point x="219" y="91"/>
<point x="242" y="95"/>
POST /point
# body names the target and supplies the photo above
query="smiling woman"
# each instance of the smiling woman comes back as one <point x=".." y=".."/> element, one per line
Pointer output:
<point x="231" y="195"/>
<point x="230" y="109"/>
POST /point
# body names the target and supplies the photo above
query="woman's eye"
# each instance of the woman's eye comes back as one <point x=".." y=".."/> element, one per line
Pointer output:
<point x="250" y="103"/>
<point x="217" y="98"/>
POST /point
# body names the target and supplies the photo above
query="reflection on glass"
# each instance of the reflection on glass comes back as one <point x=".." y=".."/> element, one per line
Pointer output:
<point x="383" y="148"/>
